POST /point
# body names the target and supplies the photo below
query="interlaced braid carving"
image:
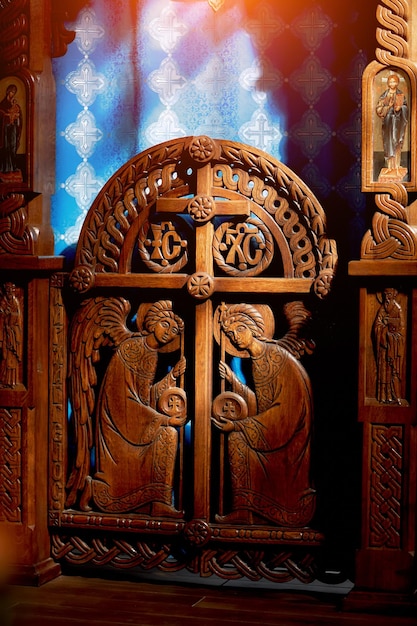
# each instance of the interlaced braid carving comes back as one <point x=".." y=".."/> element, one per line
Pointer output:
<point x="392" y="36"/>
<point x="391" y="236"/>
<point x="386" y="486"/>
<point x="280" y="566"/>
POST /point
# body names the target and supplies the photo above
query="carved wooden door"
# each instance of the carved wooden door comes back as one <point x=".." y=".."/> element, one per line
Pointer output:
<point x="190" y="429"/>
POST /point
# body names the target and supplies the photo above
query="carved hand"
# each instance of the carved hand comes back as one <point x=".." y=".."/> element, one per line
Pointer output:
<point x="177" y="420"/>
<point x="225" y="371"/>
<point x="179" y="368"/>
<point x="223" y="424"/>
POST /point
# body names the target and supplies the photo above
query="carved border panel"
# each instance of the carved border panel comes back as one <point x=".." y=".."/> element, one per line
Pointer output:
<point x="386" y="487"/>
<point x="11" y="465"/>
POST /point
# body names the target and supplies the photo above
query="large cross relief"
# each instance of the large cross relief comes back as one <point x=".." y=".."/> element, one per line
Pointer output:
<point x="191" y="422"/>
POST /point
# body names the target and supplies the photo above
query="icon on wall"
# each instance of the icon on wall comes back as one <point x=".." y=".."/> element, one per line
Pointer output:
<point x="392" y="142"/>
<point x="13" y="131"/>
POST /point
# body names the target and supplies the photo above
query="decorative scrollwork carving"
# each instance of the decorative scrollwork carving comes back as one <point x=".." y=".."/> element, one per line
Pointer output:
<point x="118" y="553"/>
<point x="279" y="567"/>
<point x="282" y="203"/>
<point x="63" y="12"/>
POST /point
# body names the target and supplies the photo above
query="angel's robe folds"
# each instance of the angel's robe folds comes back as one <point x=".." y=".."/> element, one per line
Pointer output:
<point x="269" y="451"/>
<point x="136" y="449"/>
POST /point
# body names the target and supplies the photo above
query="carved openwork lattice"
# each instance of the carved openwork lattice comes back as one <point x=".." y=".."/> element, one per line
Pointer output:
<point x="190" y="421"/>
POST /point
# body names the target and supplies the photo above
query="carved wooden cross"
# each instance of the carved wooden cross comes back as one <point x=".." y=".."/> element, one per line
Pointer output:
<point x="203" y="208"/>
<point x="226" y="254"/>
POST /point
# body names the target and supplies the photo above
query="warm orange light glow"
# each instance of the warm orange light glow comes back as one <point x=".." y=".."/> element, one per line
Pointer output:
<point x="216" y="4"/>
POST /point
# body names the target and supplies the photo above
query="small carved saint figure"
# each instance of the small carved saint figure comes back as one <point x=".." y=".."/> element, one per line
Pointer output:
<point x="392" y="108"/>
<point x="136" y="435"/>
<point x="10" y="336"/>
<point x="10" y="132"/>
<point x="388" y="334"/>
<point x="268" y="427"/>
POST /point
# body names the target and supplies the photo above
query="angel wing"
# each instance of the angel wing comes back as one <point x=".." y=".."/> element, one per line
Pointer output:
<point x="98" y="322"/>
<point x="298" y="318"/>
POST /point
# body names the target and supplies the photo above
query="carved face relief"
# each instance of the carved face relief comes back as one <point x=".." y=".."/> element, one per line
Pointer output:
<point x="240" y="335"/>
<point x="166" y="331"/>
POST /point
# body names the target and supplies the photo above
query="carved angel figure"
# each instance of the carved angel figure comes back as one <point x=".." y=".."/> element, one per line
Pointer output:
<point x="269" y="438"/>
<point x="135" y="434"/>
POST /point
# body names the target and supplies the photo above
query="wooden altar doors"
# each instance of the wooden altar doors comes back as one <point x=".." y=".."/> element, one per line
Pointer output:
<point x="180" y="332"/>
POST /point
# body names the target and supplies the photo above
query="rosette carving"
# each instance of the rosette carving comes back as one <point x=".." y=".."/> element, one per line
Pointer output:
<point x="201" y="208"/>
<point x="81" y="278"/>
<point x="197" y="532"/>
<point x="202" y="149"/>
<point x="200" y="285"/>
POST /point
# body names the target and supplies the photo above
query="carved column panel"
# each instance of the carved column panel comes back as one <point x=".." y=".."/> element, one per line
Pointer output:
<point x="386" y="275"/>
<point x="24" y="362"/>
<point x="31" y="33"/>
<point x="387" y="409"/>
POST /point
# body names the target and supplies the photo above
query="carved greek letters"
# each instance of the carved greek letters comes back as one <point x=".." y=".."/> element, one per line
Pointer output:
<point x="162" y="248"/>
<point x="244" y="249"/>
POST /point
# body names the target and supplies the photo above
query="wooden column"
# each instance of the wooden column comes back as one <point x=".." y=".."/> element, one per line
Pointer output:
<point x="31" y="32"/>
<point x="387" y="408"/>
<point x="24" y="397"/>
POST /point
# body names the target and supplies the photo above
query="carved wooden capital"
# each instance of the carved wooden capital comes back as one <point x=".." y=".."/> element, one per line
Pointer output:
<point x="16" y="236"/>
<point x="62" y="12"/>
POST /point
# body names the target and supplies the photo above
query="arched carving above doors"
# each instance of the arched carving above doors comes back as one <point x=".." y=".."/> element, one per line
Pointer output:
<point x="207" y="179"/>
